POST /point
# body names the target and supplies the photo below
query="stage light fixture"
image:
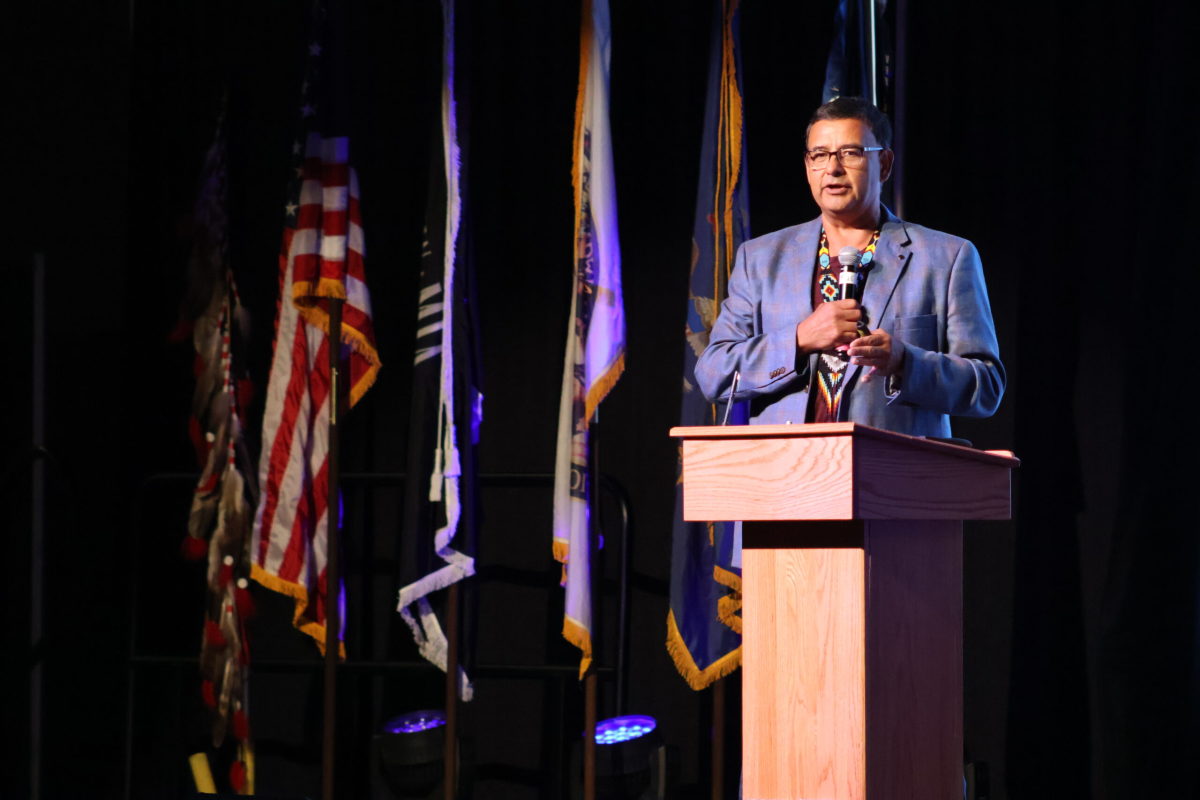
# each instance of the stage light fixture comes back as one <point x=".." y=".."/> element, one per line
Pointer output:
<point x="632" y="762"/>
<point x="410" y="749"/>
<point x="624" y="729"/>
<point x="415" y="722"/>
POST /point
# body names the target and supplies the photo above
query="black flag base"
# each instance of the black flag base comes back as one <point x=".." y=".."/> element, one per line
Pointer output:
<point x="412" y="764"/>
<point x="640" y="769"/>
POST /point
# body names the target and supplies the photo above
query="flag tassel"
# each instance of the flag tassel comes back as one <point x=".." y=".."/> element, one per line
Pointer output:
<point x="695" y="677"/>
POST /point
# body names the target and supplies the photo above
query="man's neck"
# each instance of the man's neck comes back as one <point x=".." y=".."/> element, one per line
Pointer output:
<point x="853" y="233"/>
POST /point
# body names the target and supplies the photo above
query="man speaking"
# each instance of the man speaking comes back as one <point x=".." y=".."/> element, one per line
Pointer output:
<point x="916" y="346"/>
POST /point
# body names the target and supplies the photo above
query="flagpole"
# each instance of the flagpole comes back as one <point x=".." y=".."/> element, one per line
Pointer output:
<point x="590" y="687"/>
<point x="873" y="78"/>
<point x="333" y="578"/>
<point x="900" y="98"/>
<point x="37" y="561"/>
<point x="718" y="739"/>
<point x="450" y="746"/>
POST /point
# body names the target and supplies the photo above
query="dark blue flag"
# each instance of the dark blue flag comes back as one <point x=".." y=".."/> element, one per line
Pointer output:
<point x="704" y="622"/>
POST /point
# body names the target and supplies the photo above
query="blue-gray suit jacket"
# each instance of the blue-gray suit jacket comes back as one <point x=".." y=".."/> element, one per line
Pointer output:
<point x="925" y="288"/>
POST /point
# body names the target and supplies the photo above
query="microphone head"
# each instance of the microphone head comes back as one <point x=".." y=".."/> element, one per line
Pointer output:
<point x="848" y="257"/>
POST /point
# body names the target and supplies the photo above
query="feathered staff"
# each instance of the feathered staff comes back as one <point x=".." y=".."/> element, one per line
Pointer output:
<point x="222" y="506"/>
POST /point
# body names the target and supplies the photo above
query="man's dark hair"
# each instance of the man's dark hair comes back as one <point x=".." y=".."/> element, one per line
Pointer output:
<point x="855" y="108"/>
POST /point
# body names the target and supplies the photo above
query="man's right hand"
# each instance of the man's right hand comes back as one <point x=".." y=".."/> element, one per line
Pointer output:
<point x="831" y="325"/>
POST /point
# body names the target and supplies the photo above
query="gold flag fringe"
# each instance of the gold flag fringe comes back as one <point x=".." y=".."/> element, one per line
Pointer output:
<point x="585" y="52"/>
<point x="698" y="678"/>
<point x="579" y="636"/>
<point x="305" y="297"/>
<point x="729" y="607"/>
<point x="727" y="578"/>
<point x="298" y="593"/>
<point x="561" y="549"/>
<point x="603" y="386"/>
<point x="308" y="293"/>
<point x="729" y="156"/>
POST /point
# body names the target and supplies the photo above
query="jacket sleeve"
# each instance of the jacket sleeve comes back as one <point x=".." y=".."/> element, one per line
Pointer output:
<point x="966" y="378"/>
<point x="765" y="360"/>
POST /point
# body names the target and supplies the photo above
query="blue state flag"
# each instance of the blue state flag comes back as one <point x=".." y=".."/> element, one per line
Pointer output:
<point x="704" y="622"/>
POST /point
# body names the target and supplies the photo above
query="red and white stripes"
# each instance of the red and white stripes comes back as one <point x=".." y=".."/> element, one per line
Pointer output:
<point x="322" y="259"/>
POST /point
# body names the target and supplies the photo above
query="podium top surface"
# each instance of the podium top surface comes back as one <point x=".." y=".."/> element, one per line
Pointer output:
<point x="836" y="471"/>
<point x="852" y="429"/>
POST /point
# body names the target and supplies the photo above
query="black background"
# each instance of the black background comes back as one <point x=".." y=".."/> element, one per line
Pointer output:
<point x="1058" y="138"/>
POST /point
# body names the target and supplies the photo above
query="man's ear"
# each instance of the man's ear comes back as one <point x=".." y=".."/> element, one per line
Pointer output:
<point x="886" y="159"/>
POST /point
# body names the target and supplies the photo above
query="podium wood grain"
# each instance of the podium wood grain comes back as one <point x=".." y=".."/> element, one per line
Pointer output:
<point x="853" y="670"/>
<point x="837" y="471"/>
<point x="914" y="683"/>
<point x="803" y="706"/>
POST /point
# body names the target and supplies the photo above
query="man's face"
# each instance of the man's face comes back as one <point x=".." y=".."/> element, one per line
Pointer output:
<point x="847" y="194"/>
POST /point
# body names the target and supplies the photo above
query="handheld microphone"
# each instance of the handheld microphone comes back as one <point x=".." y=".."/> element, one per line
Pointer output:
<point x="848" y="257"/>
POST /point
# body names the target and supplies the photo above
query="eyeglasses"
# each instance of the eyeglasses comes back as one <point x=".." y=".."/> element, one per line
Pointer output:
<point x="849" y="157"/>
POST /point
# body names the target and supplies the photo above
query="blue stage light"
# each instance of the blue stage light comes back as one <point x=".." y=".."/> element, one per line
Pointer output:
<point x="410" y="750"/>
<point x="624" y="729"/>
<point x="632" y="761"/>
<point x="415" y="721"/>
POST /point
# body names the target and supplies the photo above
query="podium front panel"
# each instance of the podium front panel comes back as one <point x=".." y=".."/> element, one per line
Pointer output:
<point x="852" y="685"/>
<point x="803" y="691"/>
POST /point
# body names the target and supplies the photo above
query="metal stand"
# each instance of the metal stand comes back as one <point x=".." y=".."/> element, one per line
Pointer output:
<point x="333" y="575"/>
<point x="450" y="751"/>
<point x="718" y="739"/>
<point x="37" y="561"/>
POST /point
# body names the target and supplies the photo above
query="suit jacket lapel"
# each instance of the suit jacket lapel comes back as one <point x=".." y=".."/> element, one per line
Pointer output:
<point x="891" y="259"/>
<point x="808" y="238"/>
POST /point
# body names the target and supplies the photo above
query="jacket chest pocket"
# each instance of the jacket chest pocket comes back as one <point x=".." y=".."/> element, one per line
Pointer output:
<point x="920" y="330"/>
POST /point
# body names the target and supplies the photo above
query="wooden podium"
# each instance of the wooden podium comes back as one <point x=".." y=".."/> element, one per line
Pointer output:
<point x="851" y="601"/>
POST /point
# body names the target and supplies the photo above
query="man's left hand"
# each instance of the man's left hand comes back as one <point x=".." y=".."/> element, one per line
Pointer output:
<point x="875" y="351"/>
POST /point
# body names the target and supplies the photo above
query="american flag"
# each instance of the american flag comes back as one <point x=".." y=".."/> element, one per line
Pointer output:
<point x="321" y="258"/>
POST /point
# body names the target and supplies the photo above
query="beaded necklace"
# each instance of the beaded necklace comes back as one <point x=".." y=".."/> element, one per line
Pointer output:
<point x="831" y="367"/>
<point x="828" y="279"/>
